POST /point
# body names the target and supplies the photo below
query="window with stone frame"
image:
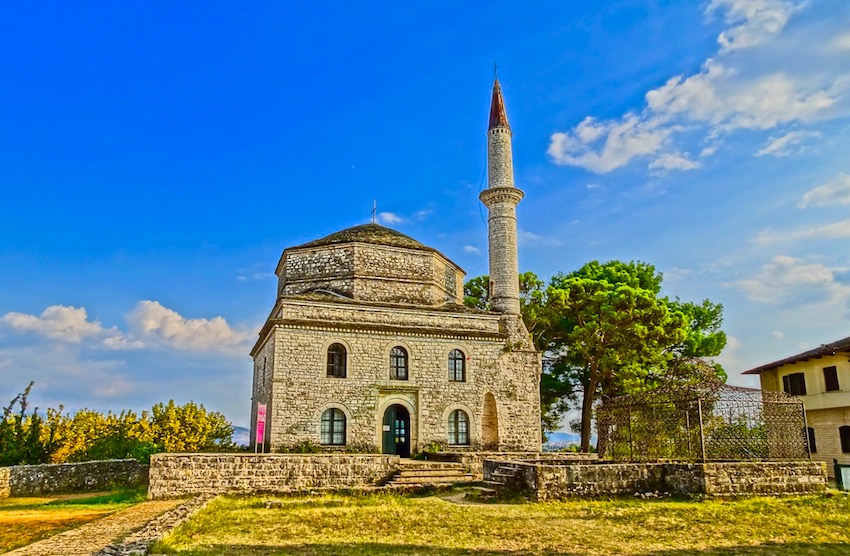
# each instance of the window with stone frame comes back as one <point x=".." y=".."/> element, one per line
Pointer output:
<point x="457" y="366"/>
<point x="333" y="427"/>
<point x="830" y="378"/>
<point x="794" y="384"/>
<point x="810" y="433"/>
<point x="844" y="434"/>
<point x="458" y="428"/>
<point x="398" y="363"/>
<point x="336" y="361"/>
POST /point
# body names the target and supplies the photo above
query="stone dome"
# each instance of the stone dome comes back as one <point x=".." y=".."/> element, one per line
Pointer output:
<point x="371" y="263"/>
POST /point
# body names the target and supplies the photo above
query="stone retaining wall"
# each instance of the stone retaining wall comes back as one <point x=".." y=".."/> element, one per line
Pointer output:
<point x="474" y="461"/>
<point x="175" y="475"/>
<point x="34" y="480"/>
<point x="542" y="481"/>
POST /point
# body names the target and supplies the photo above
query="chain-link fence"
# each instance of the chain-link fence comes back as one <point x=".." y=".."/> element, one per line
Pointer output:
<point x="702" y="422"/>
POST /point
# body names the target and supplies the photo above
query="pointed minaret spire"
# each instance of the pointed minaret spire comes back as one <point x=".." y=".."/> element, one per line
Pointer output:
<point x="498" y="115"/>
<point x="501" y="199"/>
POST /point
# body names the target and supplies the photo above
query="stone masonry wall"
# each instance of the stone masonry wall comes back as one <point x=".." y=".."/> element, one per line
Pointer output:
<point x="373" y="273"/>
<point x="302" y="391"/>
<point x="5" y="488"/>
<point x="176" y="475"/>
<point x="551" y="482"/>
<point x="825" y="423"/>
<point x="33" y="480"/>
<point x="474" y="461"/>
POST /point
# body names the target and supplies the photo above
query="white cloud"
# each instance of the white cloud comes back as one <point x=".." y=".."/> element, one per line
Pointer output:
<point x="471" y="249"/>
<point x="834" y="192"/>
<point x="754" y="20"/>
<point x="841" y="42"/>
<point x="777" y="335"/>
<point x="151" y="321"/>
<point x="673" y="161"/>
<point x="760" y="79"/>
<point x="423" y="214"/>
<point x="835" y="230"/>
<point x="790" y="143"/>
<point x="524" y="237"/>
<point x="5" y="363"/>
<point x="605" y="146"/>
<point x="68" y="324"/>
<point x="788" y="281"/>
<point x="390" y="218"/>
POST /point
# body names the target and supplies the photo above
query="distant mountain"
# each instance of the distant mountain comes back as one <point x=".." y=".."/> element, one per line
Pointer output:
<point x="563" y="437"/>
<point x="241" y="436"/>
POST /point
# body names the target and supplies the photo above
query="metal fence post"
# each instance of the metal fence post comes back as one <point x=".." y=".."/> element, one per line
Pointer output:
<point x="701" y="430"/>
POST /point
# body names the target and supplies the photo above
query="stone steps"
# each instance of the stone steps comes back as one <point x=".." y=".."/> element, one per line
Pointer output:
<point x="415" y="474"/>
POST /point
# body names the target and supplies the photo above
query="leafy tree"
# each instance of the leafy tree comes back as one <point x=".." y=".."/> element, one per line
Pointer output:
<point x="612" y="327"/>
<point x="190" y="428"/>
<point x="604" y="330"/>
<point x="20" y="433"/>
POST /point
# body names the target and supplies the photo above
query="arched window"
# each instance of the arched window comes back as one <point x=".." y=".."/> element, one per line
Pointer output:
<point x="398" y="363"/>
<point x="336" y="361"/>
<point x="813" y="448"/>
<point x="458" y="428"/>
<point x="457" y="366"/>
<point x="333" y="427"/>
<point x="844" y="433"/>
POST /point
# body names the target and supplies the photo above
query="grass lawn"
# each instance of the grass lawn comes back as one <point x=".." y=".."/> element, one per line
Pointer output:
<point x="393" y="524"/>
<point x="26" y="520"/>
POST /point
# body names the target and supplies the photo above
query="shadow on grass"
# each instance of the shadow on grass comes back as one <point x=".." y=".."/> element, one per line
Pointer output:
<point x="380" y="549"/>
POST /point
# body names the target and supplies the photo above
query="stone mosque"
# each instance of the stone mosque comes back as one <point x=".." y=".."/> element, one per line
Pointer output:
<point x="369" y="346"/>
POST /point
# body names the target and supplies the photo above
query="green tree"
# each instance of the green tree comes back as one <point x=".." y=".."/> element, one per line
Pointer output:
<point x="21" y="433"/>
<point x="610" y="327"/>
<point x="190" y="428"/>
<point x="605" y="330"/>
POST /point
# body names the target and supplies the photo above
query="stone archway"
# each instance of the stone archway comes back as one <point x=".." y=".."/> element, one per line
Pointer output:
<point x="490" y="423"/>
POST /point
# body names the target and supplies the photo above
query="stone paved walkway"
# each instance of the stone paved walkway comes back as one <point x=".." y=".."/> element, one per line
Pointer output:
<point x="93" y="536"/>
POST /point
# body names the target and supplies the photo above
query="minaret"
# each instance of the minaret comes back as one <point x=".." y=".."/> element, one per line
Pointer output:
<point x="501" y="199"/>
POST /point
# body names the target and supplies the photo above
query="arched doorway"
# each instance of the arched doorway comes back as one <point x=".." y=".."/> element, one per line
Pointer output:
<point x="490" y="423"/>
<point x="396" y="431"/>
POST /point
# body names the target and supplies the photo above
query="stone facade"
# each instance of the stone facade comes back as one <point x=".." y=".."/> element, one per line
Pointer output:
<point x="370" y="348"/>
<point x="178" y="475"/>
<point x="541" y="480"/>
<point x="34" y="480"/>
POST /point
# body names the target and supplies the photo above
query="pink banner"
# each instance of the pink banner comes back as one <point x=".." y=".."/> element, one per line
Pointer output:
<point x="261" y="423"/>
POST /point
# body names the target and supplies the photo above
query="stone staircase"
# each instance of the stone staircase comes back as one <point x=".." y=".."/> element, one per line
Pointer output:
<point x="500" y="482"/>
<point x="414" y="474"/>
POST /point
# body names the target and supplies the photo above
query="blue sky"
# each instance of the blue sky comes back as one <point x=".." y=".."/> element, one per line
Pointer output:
<point x="155" y="159"/>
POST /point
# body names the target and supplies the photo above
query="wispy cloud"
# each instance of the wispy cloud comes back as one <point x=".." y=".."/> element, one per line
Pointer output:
<point x="753" y="21"/>
<point x="390" y="218"/>
<point x="834" y="192"/>
<point x="835" y="230"/>
<point x="790" y="143"/>
<point x="471" y="249"/>
<point x="788" y="281"/>
<point x="748" y="85"/>
<point x="154" y="323"/>
<point x="68" y="324"/>
<point x="524" y="237"/>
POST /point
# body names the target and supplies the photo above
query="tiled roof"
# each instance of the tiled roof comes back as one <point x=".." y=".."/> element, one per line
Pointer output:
<point x="838" y="346"/>
<point x="368" y="233"/>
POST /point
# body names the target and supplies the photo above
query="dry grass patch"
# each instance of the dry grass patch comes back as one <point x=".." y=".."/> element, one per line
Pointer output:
<point x="389" y="524"/>
<point x="26" y="520"/>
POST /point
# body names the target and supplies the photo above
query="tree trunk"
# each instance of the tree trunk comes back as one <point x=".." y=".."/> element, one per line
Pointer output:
<point x="587" y="410"/>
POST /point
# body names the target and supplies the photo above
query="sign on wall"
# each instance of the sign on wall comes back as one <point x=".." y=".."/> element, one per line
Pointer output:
<point x="261" y="426"/>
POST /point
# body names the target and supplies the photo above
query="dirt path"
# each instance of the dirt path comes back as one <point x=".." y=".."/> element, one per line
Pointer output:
<point x="93" y="536"/>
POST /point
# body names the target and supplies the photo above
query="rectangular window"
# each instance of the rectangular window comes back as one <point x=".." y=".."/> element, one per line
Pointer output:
<point x="813" y="448"/>
<point x="830" y="377"/>
<point x="794" y="384"/>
